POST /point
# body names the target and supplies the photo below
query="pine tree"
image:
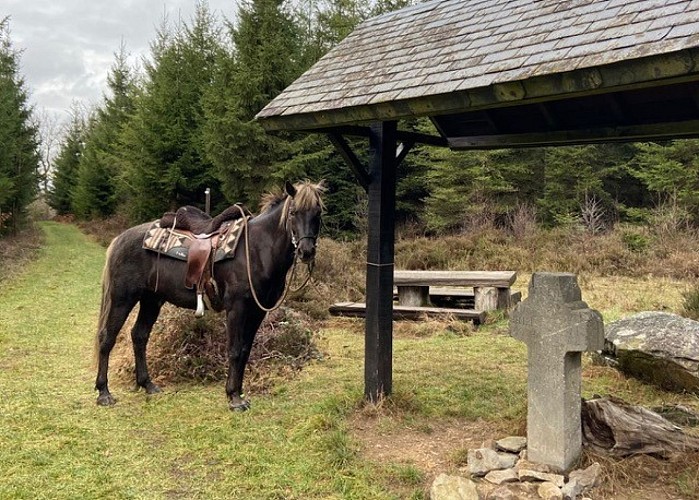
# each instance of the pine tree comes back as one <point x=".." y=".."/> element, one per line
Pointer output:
<point x="264" y="58"/>
<point x="164" y="162"/>
<point x="19" y="158"/>
<point x="65" y="166"/>
<point x="464" y="185"/>
<point x="96" y="190"/>
<point x="671" y="172"/>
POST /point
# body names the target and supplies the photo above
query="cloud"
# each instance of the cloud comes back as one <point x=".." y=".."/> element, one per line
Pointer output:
<point x="68" y="46"/>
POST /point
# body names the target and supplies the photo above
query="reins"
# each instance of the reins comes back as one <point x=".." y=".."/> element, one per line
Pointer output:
<point x="287" y="282"/>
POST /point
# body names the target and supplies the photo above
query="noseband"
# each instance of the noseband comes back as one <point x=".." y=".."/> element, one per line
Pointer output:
<point x="297" y="242"/>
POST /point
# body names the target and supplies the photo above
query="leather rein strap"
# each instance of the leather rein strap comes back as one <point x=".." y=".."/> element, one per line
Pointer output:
<point x="286" y="283"/>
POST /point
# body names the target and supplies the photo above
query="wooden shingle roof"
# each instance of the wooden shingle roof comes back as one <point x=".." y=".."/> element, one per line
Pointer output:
<point x="449" y="56"/>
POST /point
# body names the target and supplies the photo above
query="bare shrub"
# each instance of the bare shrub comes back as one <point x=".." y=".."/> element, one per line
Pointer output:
<point x="479" y="215"/>
<point x="16" y="250"/>
<point x="39" y="209"/>
<point x="338" y="276"/>
<point x="522" y="220"/>
<point x="669" y="217"/>
<point x="105" y="230"/>
<point x="592" y="214"/>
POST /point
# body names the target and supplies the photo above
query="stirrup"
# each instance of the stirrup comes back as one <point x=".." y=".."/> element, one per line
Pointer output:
<point x="200" y="305"/>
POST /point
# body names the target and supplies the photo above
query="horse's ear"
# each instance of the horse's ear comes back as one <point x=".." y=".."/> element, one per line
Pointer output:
<point x="290" y="189"/>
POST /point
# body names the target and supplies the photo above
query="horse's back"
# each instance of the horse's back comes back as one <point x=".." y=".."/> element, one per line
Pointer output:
<point x="127" y="261"/>
<point x="139" y="271"/>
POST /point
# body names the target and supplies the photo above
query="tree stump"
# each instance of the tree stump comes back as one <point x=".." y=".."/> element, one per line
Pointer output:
<point x="617" y="428"/>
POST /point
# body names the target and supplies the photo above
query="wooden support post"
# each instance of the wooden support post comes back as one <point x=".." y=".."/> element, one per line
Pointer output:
<point x="414" y="296"/>
<point x="378" y="351"/>
<point x="486" y="298"/>
<point x="504" y="299"/>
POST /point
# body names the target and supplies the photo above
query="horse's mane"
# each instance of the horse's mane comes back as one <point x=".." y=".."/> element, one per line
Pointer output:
<point x="308" y="196"/>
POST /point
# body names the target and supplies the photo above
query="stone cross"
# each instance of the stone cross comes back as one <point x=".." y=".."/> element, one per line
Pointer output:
<point x="557" y="327"/>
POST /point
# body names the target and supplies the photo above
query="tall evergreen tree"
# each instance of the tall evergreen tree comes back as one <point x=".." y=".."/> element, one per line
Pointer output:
<point x="19" y="159"/>
<point x="576" y="173"/>
<point x="264" y="58"/>
<point x="164" y="163"/>
<point x="465" y="184"/>
<point x="96" y="190"/>
<point x="671" y="172"/>
<point x="66" y="164"/>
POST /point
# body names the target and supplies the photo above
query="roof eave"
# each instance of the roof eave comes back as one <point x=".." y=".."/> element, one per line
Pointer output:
<point x="673" y="67"/>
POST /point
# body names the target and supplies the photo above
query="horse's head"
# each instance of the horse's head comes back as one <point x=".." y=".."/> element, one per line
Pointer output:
<point x="304" y="208"/>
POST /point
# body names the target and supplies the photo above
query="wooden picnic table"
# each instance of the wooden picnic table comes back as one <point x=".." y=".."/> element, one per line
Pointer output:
<point x="491" y="289"/>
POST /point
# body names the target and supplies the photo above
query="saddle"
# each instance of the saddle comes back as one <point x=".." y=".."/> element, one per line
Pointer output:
<point x="204" y="233"/>
<point x="196" y="221"/>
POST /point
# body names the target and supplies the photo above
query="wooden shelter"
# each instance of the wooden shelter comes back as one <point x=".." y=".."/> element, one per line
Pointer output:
<point x="491" y="74"/>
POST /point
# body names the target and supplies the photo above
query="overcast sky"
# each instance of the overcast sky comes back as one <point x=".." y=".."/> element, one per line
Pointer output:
<point x="68" y="46"/>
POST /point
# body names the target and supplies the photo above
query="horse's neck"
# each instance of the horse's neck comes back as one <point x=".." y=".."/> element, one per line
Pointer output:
<point x="266" y="231"/>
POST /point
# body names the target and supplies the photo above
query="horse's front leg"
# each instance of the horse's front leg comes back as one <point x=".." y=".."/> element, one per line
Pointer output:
<point x="242" y="322"/>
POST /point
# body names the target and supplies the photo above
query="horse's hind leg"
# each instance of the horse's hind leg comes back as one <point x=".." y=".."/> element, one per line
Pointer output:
<point x="147" y="315"/>
<point x="115" y="317"/>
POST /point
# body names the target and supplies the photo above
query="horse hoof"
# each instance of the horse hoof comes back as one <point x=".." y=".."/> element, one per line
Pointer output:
<point x="151" y="388"/>
<point x="242" y="405"/>
<point x="106" y="400"/>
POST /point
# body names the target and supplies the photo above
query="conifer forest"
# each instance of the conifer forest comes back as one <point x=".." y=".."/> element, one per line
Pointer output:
<point x="183" y="121"/>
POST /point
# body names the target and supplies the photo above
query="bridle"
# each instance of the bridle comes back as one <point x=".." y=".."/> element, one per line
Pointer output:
<point x="295" y="241"/>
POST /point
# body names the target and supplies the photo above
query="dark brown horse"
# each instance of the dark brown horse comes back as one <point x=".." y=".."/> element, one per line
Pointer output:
<point x="286" y="228"/>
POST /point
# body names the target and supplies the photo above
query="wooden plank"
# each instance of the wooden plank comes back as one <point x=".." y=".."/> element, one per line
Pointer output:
<point x="445" y="291"/>
<point x="498" y="279"/>
<point x="436" y="291"/>
<point x="358" y="309"/>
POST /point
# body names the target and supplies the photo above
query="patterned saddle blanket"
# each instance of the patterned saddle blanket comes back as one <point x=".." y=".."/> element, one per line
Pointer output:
<point x="175" y="243"/>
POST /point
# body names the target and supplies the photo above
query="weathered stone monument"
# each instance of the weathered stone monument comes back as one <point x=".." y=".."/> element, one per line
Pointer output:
<point x="557" y="327"/>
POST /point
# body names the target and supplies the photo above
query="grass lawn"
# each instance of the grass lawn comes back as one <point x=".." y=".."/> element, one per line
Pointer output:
<point x="310" y="437"/>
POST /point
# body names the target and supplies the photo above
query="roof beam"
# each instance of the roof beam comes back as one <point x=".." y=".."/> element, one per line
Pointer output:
<point x="402" y="136"/>
<point x="351" y="159"/>
<point x="677" y="130"/>
<point x="551" y="120"/>
<point x="402" y="151"/>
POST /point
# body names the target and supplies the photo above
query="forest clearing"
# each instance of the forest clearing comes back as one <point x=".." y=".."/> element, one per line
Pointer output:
<point x="309" y="435"/>
<point x="433" y="142"/>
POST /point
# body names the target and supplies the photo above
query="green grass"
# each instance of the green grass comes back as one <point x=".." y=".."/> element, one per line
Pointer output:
<point x="56" y="443"/>
<point x="297" y="441"/>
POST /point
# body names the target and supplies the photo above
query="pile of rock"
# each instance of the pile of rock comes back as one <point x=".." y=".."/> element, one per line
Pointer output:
<point x="507" y="474"/>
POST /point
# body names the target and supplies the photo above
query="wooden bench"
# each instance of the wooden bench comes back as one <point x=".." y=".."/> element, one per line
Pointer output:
<point x="418" y="292"/>
<point x="491" y="289"/>
<point x="460" y="297"/>
<point x="358" y="309"/>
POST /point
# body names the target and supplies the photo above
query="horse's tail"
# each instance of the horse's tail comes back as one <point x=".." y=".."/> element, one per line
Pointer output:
<point x="106" y="304"/>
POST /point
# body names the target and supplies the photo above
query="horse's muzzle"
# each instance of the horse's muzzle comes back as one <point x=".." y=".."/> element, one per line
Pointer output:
<point x="306" y="250"/>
